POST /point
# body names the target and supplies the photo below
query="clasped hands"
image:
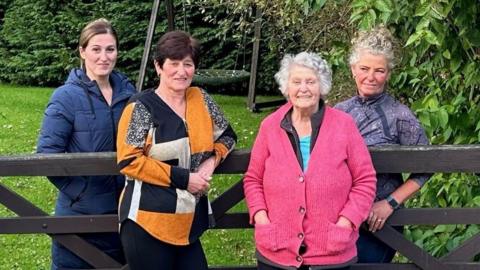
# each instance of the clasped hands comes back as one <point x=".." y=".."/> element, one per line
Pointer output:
<point x="199" y="181"/>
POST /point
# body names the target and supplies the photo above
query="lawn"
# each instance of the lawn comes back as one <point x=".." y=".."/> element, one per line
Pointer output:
<point x="21" y="110"/>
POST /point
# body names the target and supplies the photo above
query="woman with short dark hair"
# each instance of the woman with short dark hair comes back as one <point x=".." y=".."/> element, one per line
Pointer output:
<point x="170" y="140"/>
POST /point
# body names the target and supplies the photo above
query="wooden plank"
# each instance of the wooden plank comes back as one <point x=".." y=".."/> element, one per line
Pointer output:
<point x="417" y="255"/>
<point x="434" y="216"/>
<point x="227" y="200"/>
<point x="59" y="224"/>
<point x="233" y="221"/>
<point x="465" y="252"/>
<point x="100" y="163"/>
<point x="438" y="158"/>
<point x="74" y="243"/>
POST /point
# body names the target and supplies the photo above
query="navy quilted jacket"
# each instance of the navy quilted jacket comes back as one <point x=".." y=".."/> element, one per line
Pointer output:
<point x="78" y="119"/>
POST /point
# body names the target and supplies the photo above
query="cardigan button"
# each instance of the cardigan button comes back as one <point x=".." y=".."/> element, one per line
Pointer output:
<point x="301" y="210"/>
<point x="301" y="179"/>
<point x="299" y="258"/>
<point x="300" y="235"/>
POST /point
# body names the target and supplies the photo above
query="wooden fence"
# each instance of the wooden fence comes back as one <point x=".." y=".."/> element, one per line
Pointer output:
<point x="446" y="158"/>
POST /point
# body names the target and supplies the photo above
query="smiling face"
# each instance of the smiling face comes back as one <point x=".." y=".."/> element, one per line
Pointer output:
<point x="303" y="89"/>
<point x="370" y="73"/>
<point x="176" y="75"/>
<point x="100" y="56"/>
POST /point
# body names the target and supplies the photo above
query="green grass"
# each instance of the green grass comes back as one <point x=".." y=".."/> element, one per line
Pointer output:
<point x="21" y="112"/>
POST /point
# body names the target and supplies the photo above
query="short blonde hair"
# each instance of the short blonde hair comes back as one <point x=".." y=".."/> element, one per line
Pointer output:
<point x="309" y="60"/>
<point x="377" y="41"/>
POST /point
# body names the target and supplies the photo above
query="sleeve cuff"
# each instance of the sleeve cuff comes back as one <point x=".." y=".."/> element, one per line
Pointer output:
<point x="179" y="177"/>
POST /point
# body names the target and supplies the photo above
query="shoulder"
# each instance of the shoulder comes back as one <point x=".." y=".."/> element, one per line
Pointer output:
<point x="125" y="84"/>
<point x="339" y="117"/>
<point x="275" y="118"/>
<point x="398" y="109"/>
<point x="143" y="95"/>
<point x="346" y="104"/>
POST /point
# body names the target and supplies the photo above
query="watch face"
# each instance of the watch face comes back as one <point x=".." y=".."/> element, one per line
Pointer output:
<point x="393" y="203"/>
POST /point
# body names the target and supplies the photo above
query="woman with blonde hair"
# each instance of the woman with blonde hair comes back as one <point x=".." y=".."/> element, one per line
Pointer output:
<point x="382" y="120"/>
<point x="82" y="116"/>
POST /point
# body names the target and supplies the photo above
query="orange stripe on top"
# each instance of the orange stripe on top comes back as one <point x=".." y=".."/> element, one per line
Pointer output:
<point x="171" y="228"/>
<point x="198" y="118"/>
<point x="142" y="167"/>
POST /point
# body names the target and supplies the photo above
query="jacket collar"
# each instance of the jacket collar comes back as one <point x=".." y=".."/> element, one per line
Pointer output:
<point x="371" y="99"/>
<point x="119" y="83"/>
<point x="316" y="118"/>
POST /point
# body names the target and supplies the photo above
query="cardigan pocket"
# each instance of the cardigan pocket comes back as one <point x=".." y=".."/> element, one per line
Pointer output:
<point x="340" y="239"/>
<point x="266" y="236"/>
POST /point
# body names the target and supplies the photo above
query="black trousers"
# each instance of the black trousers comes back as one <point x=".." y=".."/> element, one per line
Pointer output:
<point x="144" y="252"/>
<point x="262" y="266"/>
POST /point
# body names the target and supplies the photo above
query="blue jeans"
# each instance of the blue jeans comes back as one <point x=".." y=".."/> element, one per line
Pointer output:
<point x="373" y="250"/>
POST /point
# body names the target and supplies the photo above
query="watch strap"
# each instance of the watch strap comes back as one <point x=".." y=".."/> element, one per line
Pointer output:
<point x="393" y="203"/>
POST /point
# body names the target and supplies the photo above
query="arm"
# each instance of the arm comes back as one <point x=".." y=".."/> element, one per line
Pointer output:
<point x="223" y="136"/>
<point x="133" y="135"/>
<point x="253" y="180"/>
<point x="57" y="125"/>
<point x="410" y="132"/>
<point x="56" y="131"/>
<point x="363" y="188"/>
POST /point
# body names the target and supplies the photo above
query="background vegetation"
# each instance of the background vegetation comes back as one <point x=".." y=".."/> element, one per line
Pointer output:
<point x="436" y="74"/>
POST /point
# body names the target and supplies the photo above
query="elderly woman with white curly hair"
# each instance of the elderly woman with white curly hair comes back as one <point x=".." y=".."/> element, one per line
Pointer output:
<point x="310" y="182"/>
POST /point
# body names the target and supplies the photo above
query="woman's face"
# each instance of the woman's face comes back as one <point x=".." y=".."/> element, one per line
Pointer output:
<point x="303" y="88"/>
<point x="176" y="75"/>
<point x="100" y="56"/>
<point x="370" y="73"/>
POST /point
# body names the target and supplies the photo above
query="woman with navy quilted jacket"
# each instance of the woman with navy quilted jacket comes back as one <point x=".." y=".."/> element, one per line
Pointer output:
<point x="82" y="116"/>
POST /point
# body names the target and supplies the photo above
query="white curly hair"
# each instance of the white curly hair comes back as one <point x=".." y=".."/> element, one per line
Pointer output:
<point x="309" y="60"/>
<point x="377" y="41"/>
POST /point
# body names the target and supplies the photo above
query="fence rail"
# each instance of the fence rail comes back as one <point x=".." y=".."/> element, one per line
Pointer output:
<point x="391" y="159"/>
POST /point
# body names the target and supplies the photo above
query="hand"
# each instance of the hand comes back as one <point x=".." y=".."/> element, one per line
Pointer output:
<point x="197" y="184"/>
<point x="380" y="212"/>
<point x="344" y="223"/>
<point x="261" y="218"/>
<point x="207" y="167"/>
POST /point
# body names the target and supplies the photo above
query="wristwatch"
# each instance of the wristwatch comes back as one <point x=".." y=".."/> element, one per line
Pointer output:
<point x="393" y="203"/>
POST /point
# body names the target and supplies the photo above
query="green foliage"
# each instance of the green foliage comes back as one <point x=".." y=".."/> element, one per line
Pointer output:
<point x="441" y="61"/>
<point x="438" y="75"/>
<point x="39" y="39"/>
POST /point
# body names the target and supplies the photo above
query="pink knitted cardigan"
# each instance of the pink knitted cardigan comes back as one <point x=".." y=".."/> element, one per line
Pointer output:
<point x="304" y="206"/>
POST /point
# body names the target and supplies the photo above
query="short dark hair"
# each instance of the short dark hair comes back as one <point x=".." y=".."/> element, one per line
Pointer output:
<point x="176" y="45"/>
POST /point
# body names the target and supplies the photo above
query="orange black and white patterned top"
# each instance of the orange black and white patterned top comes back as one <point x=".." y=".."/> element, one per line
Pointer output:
<point x="156" y="150"/>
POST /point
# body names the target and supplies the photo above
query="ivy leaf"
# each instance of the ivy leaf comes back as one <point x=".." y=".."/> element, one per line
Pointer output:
<point x="443" y="117"/>
<point x="382" y="6"/>
<point x="422" y="9"/>
<point x="359" y="3"/>
<point x="446" y="54"/>
<point x="473" y="36"/>
<point x="455" y="63"/>
<point x="413" y="38"/>
<point x="431" y="38"/>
